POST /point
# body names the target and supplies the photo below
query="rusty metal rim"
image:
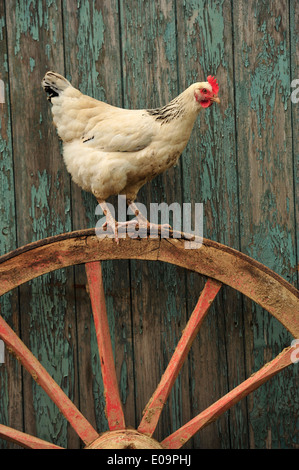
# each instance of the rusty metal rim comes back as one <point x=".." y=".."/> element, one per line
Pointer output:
<point x="206" y="242"/>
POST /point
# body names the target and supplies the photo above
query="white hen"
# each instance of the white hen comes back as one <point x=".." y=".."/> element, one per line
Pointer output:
<point x="110" y="150"/>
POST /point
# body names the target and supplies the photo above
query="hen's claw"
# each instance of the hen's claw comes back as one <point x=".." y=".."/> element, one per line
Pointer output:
<point x="139" y="225"/>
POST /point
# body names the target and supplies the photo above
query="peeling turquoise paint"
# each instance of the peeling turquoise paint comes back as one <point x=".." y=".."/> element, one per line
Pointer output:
<point x="8" y="373"/>
<point x="213" y="145"/>
<point x="2" y="28"/>
<point x="7" y="204"/>
<point x="169" y="38"/>
<point x="268" y="238"/>
<point x="90" y="39"/>
<point x="48" y="50"/>
<point x="25" y="21"/>
<point x="48" y="314"/>
<point x="270" y="71"/>
<point x="245" y="52"/>
<point x="31" y="64"/>
<point x="31" y="16"/>
<point x="7" y="209"/>
<point x="44" y="220"/>
<point x="154" y="61"/>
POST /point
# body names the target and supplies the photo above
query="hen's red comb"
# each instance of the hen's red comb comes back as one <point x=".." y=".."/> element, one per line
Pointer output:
<point x="213" y="82"/>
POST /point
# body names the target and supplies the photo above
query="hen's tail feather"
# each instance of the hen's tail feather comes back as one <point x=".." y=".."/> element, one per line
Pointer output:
<point x="54" y="84"/>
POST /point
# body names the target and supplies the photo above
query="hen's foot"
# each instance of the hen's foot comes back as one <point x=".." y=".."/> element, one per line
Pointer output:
<point x="142" y="226"/>
<point x="134" y="228"/>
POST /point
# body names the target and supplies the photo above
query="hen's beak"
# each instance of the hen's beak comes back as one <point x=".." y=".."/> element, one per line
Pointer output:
<point x="215" y="99"/>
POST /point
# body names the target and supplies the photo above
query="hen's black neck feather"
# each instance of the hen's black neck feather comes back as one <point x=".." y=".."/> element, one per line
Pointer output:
<point x="169" y="112"/>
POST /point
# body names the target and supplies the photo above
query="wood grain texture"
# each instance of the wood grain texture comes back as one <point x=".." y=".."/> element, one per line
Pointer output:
<point x="210" y="176"/>
<point x="294" y="55"/>
<point x="149" y="56"/>
<point x="265" y="166"/>
<point x="10" y="373"/>
<point x="91" y="34"/>
<point x="34" y="38"/>
<point x="242" y="162"/>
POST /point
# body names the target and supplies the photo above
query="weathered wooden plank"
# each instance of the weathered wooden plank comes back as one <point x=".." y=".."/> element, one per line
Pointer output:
<point x="35" y="43"/>
<point x="265" y="166"/>
<point x="10" y="373"/>
<point x="158" y="292"/>
<point x="294" y="50"/>
<point x="210" y="176"/>
<point x="92" y="45"/>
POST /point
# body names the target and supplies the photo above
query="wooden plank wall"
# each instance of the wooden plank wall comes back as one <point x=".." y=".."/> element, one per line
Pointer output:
<point x="241" y="162"/>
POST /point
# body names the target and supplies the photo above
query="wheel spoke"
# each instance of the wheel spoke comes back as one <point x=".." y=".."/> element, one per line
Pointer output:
<point x="114" y="411"/>
<point x="82" y="427"/>
<point x="154" y="407"/>
<point x="182" y="435"/>
<point x="25" y="440"/>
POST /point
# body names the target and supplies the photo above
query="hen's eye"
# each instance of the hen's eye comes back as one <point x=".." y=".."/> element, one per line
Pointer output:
<point x="204" y="90"/>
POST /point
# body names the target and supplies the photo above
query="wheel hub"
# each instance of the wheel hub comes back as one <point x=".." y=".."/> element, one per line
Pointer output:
<point x="124" y="439"/>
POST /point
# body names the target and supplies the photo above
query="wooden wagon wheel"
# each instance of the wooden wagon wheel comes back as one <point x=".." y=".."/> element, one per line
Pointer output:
<point x="220" y="264"/>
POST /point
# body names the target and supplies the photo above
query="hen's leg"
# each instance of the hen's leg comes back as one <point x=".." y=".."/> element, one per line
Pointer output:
<point x="142" y="221"/>
<point x="110" y="223"/>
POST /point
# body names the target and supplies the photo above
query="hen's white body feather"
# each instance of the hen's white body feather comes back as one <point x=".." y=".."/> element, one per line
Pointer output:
<point x="110" y="150"/>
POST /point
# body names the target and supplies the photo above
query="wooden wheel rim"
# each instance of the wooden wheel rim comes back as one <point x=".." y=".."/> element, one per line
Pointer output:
<point x="212" y="259"/>
<point x="221" y="264"/>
